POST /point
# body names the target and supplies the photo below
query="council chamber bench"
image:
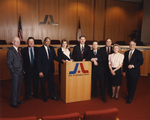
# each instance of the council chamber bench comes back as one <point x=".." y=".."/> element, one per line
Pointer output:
<point x="5" y="74"/>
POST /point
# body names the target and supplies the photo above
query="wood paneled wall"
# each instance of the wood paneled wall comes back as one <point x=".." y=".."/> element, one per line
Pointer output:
<point x="99" y="19"/>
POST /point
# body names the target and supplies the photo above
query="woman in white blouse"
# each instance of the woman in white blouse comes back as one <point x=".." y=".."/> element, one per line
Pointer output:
<point x="63" y="53"/>
<point x="115" y="62"/>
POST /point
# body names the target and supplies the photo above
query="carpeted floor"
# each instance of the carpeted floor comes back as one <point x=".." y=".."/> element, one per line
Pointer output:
<point x="139" y="109"/>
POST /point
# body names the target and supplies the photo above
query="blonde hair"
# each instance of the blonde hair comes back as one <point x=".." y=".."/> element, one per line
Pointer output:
<point x="117" y="46"/>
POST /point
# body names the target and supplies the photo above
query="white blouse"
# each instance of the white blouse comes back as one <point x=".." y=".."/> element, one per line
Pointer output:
<point x="67" y="52"/>
<point x="115" y="59"/>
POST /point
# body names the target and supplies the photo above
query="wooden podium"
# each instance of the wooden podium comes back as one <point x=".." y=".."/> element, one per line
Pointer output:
<point x="76" y="81"/>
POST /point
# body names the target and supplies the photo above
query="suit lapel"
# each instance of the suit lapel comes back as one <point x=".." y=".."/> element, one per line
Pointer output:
<point x="45" y="52"/>
<point x="133" y="55"/>
<point x="16" y="52"/>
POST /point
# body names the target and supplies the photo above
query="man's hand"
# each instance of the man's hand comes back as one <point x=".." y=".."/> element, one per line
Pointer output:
<point x="93" y="59"/>
<point x="130" y="66"/>
<point x="41" y="74"/>
<point x="95" y="63"/>
<point x="84" y="60"/>
<point x="64" y="61"/>
<point x="124" y="74"/>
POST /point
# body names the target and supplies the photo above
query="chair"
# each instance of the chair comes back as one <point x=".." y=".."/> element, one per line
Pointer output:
<point x="121" y="42"/>
<point x="55" y="42"/>
<point x="22" y="42"/>
<point x="89" y="42"/>
<point x="71" y="116"/>
<point x="37" y="41"/>
<point x="22" y="118"/>
<point x="73" y="42"/>
<point x="3" y="42"/>
<point x="102" y="42"/>
<point x="108" y="114"/>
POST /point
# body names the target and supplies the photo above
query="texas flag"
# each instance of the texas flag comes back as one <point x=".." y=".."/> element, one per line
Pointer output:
<point x="79" y="31"/>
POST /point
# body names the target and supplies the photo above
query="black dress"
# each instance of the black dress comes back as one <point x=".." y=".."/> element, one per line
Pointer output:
<point x="64" y="57"/>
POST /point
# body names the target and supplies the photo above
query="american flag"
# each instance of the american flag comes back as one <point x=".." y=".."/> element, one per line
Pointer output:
<point x="79" y="31"/>
<point x="20" y="29"/>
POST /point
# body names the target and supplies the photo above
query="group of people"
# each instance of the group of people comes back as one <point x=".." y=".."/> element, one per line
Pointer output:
<point x="38" y="63"/>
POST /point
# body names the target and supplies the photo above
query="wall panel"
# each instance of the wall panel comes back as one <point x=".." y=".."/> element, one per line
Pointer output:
<point x="85" y="12"/>
<point x="68" y="19"/>
<point x="48" y="7"/>
<point x="28" y="9"/>
<point x="121" y="20"/>
<point x="8" y="19"/>
<point x="99" y="20"/>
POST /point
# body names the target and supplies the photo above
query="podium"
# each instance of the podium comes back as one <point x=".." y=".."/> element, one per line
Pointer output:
<point x="76" y="81"/>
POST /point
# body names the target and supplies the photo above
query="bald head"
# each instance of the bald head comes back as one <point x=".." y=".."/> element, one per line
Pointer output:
<point x="16" y="41"/>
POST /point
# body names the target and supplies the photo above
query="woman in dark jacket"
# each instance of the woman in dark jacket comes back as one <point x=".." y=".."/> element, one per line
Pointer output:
<point x="63" y="53"/>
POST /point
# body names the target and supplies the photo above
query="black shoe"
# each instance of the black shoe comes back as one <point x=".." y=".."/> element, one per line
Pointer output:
<point x="35" y="96"/>
<point x="126" y="97"/>
<point x="116" y="98"/>
<point x="104" y="100"/>
<point x="21" y="102"/>
<point x="94" y="96"/>
<point x="129" y="101"/>
<point x="15" y="106"/>
<point x="55" y="98"/>
<point x="45" y="100"/>
<point x="26" y="98"/>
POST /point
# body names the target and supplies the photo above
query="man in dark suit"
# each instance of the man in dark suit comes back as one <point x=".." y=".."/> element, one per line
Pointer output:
<point x="29" y="55"/>
<point x="80" y="51"/>
<point x="97" y="71"/>
<point x="105" y="51"/>
<point x="45" y="62"/>
<point x="15" y="64"/>
<point x="131" y="69"/>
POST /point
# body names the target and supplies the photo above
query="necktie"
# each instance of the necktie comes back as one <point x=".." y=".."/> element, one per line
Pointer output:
<point x="32" y="59"/>
<point x="108" y="51"/>
<point x="82" y="51"/>
<point x="19" y="53"/>
<point x="48" y="52"/>
<point x="130" y="56"/>
<point x="94" y="52"/>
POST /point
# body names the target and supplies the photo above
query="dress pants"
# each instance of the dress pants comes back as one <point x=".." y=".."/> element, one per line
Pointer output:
<point x="96" y="74"/>
<point x="131" y="85"/>
<point x="29" y="79"/>
<point x="108" y="82"/>
<point x="15" y="88"/>
<point x="49" y="77"/>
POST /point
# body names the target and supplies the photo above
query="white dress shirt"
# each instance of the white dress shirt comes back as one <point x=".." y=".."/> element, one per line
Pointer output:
<point x="30" y="52"/>
<point x="46" y="51"/>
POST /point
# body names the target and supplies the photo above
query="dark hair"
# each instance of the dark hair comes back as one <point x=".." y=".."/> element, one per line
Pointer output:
<point x="132" y="41"/>
<point x="46" y="38"/>
<point x="108" y="38"/>
<point x="95" y="41"/>
<point x="64" y="40"/>
<point x="30" y="38"/>
<point x="82" y="36"/>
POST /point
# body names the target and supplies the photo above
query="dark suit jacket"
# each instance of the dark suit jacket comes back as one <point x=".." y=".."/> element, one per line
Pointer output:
<point x="61" y="55"/>
<point x="136" y="60"/>
<point x="14" y="61"/>
<point x="76" y="55"/>
<point x="105" y="56"/>
<point x="44" y="64"/>
<point x="100" y="61"/>
<point x="27" y="64"/>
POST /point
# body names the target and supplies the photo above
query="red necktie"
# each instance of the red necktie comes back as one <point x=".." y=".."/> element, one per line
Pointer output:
<point x="19" y="53"/>
<point x="82" y="51"/>
<point x="108" y="51"/>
